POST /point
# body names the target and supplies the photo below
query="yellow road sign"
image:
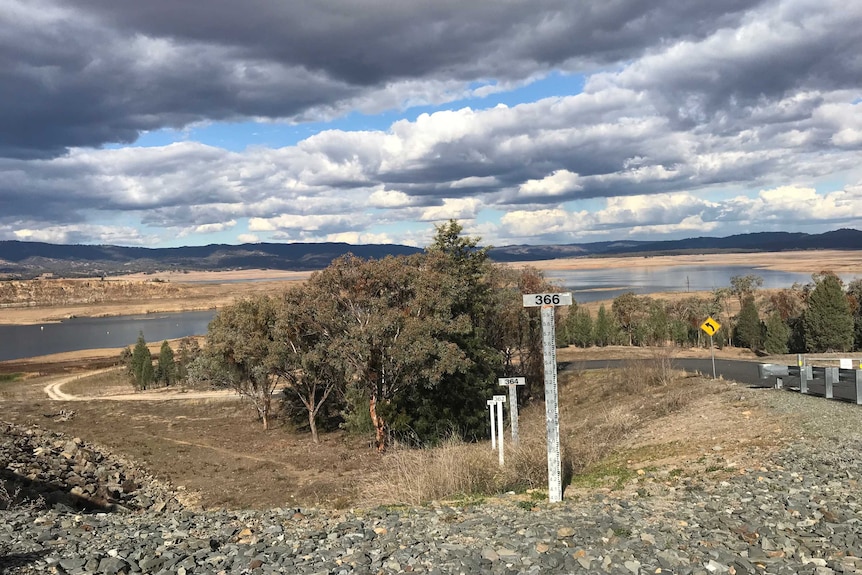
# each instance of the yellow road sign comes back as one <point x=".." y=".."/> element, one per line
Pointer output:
<point x="710" y="326"/>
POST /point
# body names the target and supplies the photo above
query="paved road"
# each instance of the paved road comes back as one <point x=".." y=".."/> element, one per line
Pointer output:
<point x="740" y="371"/>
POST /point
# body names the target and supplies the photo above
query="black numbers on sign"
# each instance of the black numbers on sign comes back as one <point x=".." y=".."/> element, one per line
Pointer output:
<point x="548" y="299"/>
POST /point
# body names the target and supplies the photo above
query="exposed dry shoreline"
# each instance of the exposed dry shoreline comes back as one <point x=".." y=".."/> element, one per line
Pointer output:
<point x="208" y="290"/>
<point x="838" y="261"/>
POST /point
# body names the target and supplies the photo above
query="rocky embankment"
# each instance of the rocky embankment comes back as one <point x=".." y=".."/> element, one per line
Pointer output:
<point x="798" y="510"/>
<point x="44" y="469"/>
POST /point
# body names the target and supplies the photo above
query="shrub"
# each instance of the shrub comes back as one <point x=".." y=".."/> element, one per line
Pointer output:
<point x="455" y="470"/>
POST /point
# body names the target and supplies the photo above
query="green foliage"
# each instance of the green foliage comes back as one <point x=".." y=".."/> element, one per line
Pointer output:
<point x="745" y="286"/>
<point x="166" y="370"/>
<point x="8" y="377"/>
<point x="147" y="374"/>
<point x="516" y="331"/>
<point x="604" y="330"/>
<point x="356" y="417"/>
<point x="209" y="369"/>
<point x="629" y="311"/>
<point x="828" y="323"/>
<point x="581" y="328"/>
<point x="417" y="338"/>
<point x="777" y="335"/>
<point x="748" y="327"/>
<point x="240" y="339"/>
<point x="189" y="350"/>
<point x="126" y="359"/>
<point x="657" y="323"/>
<point x="141" y="364"/>
<point x="854" y="299"/>
<point x="796" y="341"/>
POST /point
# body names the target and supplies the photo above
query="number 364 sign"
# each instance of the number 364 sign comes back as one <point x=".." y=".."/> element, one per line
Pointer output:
<point x="543" y="299"/>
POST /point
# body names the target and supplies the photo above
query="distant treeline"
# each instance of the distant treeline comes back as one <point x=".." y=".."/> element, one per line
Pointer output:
<point x="23" y="260"/>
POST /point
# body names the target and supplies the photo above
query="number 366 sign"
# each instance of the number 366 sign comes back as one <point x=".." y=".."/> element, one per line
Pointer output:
<point x="543" y="299"/>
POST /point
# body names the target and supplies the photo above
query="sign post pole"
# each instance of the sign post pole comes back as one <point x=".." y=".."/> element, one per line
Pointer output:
<point x="712" y="351"/>
<point x="500" y="400"/>
<point x="548" y="302"/>
<point x="710" y="326"/>
<point x="491" y="404"/>
<point x="512" y="383"/>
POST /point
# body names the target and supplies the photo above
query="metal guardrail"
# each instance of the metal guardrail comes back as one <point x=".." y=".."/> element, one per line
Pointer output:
<point x="828" y="382"/>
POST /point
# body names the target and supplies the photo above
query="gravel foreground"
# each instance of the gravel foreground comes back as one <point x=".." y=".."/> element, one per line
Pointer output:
<point x="798" y="511"/>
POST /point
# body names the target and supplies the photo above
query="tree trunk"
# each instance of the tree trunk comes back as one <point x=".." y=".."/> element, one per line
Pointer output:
<point x="312" y="424"/>
<point x="379" y="425"/>
<point x="264" y="414"/>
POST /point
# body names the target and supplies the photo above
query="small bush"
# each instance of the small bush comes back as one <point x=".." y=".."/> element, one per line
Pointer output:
<point x="457" y="470"/>
<point x="638" y="376"/>
<point x="16" y="499"/>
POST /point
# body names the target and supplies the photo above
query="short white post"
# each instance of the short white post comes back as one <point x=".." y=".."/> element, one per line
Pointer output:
<point x="500" y="399"/>
<point x="491" y="404"/>
<point x="512" y="383"/>
<point x="831" y="377"/>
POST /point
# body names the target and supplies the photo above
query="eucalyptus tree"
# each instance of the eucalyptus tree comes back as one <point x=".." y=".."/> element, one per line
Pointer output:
<point x="518" y="330"/>
<point x="744" y="286"/>
<point x="389" y="333"/>
<point x="657" y="322"/>
<point x="629" y="311"/>
<point x="241" y="337"/>
<point x="188" y="351"/>
<point x="301" y="352"/>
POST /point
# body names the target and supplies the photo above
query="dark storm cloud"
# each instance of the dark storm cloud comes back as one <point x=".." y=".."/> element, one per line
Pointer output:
<point x="99" y="71"/>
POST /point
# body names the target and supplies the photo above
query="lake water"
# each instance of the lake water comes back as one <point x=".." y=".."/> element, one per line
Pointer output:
<point x="19" y="341"/>
<point x="603" y="284"/>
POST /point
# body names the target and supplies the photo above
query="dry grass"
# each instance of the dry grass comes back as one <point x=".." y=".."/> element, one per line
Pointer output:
<point x="641" y="376"/>
<point x="456" y="470"/>
<point x="613" y="423"/>
<point x="100" y="384"/>
<point x="599" y="412"/>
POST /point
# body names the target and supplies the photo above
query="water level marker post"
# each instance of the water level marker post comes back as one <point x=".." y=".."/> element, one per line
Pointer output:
<point x="548" y="301"/>
<point x="500" y="400"/>
<point x="491" y="403"/>
<point x="512" y="383"/>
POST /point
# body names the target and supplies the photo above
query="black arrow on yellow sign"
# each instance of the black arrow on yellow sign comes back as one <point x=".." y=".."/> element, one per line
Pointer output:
<point x="710" y="326"/>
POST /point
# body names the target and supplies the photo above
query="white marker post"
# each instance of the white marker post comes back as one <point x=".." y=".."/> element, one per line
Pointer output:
<point x="500" y="400"/>
<point x="491" y="403"/>
<point x="548" y="301"/>
<point x="513" y="383"/>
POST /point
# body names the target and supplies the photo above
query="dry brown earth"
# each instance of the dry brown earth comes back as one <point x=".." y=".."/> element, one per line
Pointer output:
<point x="838" y="261"/>
<point x="218" y="452"/>
<point x="216" y="449"/>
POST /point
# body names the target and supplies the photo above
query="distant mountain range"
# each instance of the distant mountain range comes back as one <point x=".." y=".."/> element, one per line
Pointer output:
<point x="31" y="259"/>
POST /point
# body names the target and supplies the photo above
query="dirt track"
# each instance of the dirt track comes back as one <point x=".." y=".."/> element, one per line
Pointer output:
<point x="55" y="392"/>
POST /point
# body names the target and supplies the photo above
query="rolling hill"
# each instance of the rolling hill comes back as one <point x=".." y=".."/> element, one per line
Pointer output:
<point x="30" y="259"/>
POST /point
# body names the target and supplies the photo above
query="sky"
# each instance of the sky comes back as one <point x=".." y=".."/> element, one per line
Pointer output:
<point x="165" y="123"/>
